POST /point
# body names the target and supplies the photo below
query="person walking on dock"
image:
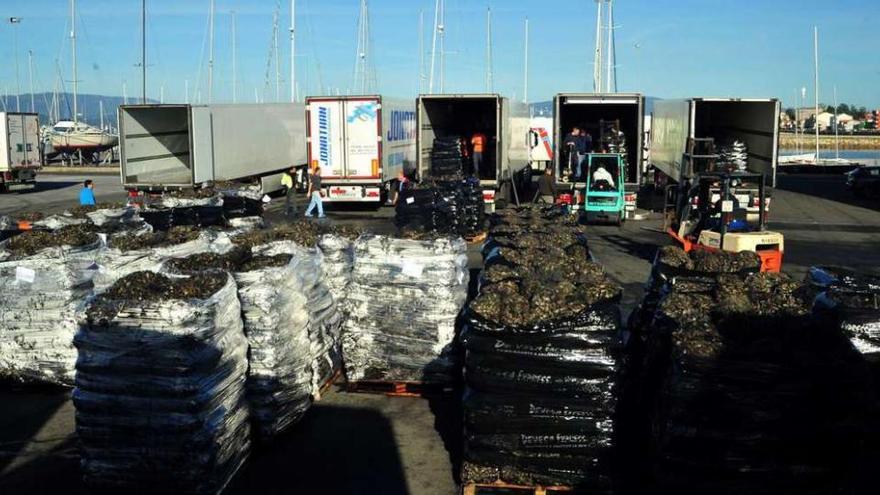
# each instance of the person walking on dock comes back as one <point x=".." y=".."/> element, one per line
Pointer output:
<point x="290" y="192"/>
<point x="314" y="193"/>
<point x="478" y="144"/>
<point x="87" y="193"/>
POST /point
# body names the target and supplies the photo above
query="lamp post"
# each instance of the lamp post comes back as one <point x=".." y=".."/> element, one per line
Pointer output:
<point x="14" y="21"/>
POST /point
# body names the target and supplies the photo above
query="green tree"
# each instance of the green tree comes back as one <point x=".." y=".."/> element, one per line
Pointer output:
<point x="844" y="108"/>
<point x="790" y="112"/>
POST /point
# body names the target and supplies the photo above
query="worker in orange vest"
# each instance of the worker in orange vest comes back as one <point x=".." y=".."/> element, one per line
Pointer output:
<point x="478" y="144"/>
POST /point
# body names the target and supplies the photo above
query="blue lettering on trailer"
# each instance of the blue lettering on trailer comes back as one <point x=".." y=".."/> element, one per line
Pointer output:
<point x="324" y="136"/>
<point x="403" y="126"/>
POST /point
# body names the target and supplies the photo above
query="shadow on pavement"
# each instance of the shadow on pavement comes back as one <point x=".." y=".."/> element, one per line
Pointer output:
<point x="830" y="187"/>
<point x="23" y="414"/>
<point x="333" y="450"/>
<point x="43" y="186"/>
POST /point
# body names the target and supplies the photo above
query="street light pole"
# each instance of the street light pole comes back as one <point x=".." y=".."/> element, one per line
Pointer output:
<point x="14" y="21"/>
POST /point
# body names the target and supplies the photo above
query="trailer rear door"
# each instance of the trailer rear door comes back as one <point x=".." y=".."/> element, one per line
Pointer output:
<point x="326" y="148"/>
<point x="362" y="135"/>
<point x="17" y="143"/>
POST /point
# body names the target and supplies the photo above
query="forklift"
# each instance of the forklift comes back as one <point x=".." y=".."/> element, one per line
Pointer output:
<point x="604" y="193"/>
<point x="707" y="212"/>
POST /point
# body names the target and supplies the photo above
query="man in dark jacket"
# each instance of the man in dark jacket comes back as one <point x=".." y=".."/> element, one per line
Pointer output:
<point x="577" y="143"/>
<point x="547" y="186"/>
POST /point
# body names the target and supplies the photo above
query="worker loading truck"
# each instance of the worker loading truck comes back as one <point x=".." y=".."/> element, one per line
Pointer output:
<point x="586" y="123"/>
<point x="477" y="135"/>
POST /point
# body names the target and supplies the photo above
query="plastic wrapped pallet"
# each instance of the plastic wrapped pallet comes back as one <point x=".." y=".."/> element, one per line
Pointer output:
<point x="114" y="217"/>
<point x="541" y="342"/>
<point x="325" y="321"/>
<point x="152" y="248"/>
<point x="338" y="261"/>
<point x="37" y="315"/>
<point x="403" y="303"/>
<point x="160" y="385"/>
<point x="276" y="320"/>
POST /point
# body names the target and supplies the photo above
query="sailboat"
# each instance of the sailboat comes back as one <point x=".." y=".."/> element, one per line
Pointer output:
<point x="814" y="158"/>
<point x="72" y="137"/>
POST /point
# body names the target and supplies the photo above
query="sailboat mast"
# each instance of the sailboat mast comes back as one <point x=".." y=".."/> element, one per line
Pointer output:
<point x="609" y="47"/>
<point x="73" y="50"/>
<point x="211" y="56"/>
<point x="434" y="45"/>
<point x="31" y="78"/>
<point x="597" y="59"/>
<point x="816" y="60"/>
<point x="293" y="51"/>
<point x="234" y="72"/>
<point x="101" y="111"/>
<point x="275" y="44"/>
<point x="526" y="66"/>
<point x="442" y="29"/>
<point x="836" y="126"/>
<point x="488" y="50"/>
<point x="421" y="51"/>
<point x="143" y="52"/>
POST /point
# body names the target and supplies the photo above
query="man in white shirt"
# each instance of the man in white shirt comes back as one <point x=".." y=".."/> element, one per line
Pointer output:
<point x="602" y="174"/>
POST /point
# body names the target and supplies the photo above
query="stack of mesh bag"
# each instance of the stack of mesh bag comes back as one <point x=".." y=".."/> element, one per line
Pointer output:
<point x="144" y="249"/>
<point x="44" y="277"/>
<point x="325" y="317"/>
<point x="540" y="340"/>
<point x="403" y="303"/>
<point x="276" y="323"/>
<point x="160" y="385"/>
<point x="106" y="215"/>
<point x="446" y="157"/>
<point x="415" y="209"/>
<point x="338" y="261"/>
<point x="746" y="391"/>
<point x="460" y="208"/>
<point x="853" y="298"/>
<point x="445" y="207"/>
<point x="735" y="154"/>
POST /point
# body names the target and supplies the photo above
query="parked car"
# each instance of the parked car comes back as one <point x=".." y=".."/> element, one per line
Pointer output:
<point x="864" y="181"/>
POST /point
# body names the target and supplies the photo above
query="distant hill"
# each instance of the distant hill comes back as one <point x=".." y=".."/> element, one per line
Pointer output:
<point x="88" y="106"/>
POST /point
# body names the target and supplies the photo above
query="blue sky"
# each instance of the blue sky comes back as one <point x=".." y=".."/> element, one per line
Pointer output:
<point x="748" y="48"/>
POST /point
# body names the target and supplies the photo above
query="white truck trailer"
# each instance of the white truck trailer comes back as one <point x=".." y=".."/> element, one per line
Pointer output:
<point x="361" y="144"/>
<point x="504" y="122"/>
<point x="186" y="146"/>
<point x="754" y="122"/>
<point x="20" y="152"/>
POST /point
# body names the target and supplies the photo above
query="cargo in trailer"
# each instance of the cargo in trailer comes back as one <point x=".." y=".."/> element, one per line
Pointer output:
<point x="185" y="146"/>
<point x="614" y="123"/>
<point x="741" y="130"/>
<point x="361" y="144"/>
<point x="453" y="129"/>
<point x="20" y="153"/>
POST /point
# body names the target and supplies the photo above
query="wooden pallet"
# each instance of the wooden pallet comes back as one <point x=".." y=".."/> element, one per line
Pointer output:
<point x="330" y="381"/>
<point x="473" y="239"/>
<point x="487" y="488"/>
<point x="398" y="389"/>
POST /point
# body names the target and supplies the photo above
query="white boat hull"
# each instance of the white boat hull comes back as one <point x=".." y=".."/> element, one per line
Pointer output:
<point x="86" y="142"/>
